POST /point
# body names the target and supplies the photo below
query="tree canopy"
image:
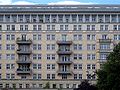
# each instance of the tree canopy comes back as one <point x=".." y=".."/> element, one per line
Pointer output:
<point x="109" y="75"/>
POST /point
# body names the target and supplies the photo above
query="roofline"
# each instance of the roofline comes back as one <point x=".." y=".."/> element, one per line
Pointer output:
<point x="37" y="5"/>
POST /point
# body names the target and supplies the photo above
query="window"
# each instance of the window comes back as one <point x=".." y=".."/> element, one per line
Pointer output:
<point x="91" y="37"/>
<point x="39" y="66"/>
<point x="48" y="66"/>
<point x="36" y="66"/>
<point x="36" y="46"/>
<point x="114" y="18"/>
<point x="101" y="27"/>
<point x="7" y="66"/>
<point x="93" y="27"/>
<point x="94" y="18"/>
<point x="36" y="76"/>
<point x="66" y="27"/>
<point x="93" y="66"/>
<point x="104" y="46"/>
<point x="75" y="76"/>
<point x="21" y="28"/>
<point x="10" y="46"/>
<point x="116" y="37"/>
<point x="87" y="18"/>
<point x="0" y="37"/>
<point x="115" y="27"/>
<point x="77" y="46"/>
<point x="80" y="66"/>
<point x="91" y="56"/>
<point x="48" y="27"/>
<point x="39" y="56"/>
<point x="91" y="46"/>
<point x="48" y="76"/>
<point x="61" y="27"/>
<point x="77" y="37"/>
<point x="23" y="77"/>
<point x="0" y="78"/>
<point x="104" y="36"/>
<point x="50" y="46"/>
<point x="36" y="37"/>
<point x="0" y="66"/>
<point x="10" y="37"/>
<point x="10" y="76"/>
<point x="103" y="56"/>
<point x="80" y="76"/>
<point x="7" y="76"/>
<point x="39" y="27"/>
<point x="8" y="27"/>
<point x="53" y="27"/>
<point x="74" y="27"/>
<point x="80" y="18"/>
<point x="77" y="56"/>
<point x="0" y="56"/>
<point x="13" y="27"/>
<point x="88" y="27"/>
<point x="34" y="27"/>
<point x="50" y="37"/>
<point x="88" y="66"/>
<point x="39" y="76"/>
<point x="53" y="66"/>
<point x="53" y="76"/>
<point x="48" y="56"/>
<point x="75" y="66"/>
<point x="64" y="76"/>
<point x="10" y="56"/>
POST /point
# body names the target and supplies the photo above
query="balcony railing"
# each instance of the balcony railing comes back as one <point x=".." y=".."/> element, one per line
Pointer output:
<point x="105" y="40"/>
<point x="64" y="72"/>
<point x="22" y="41"/>
<point x="24" y="51"/>
<point x="64" y="52"/>
<point x="64" y="42"/>
<point x="105" y="50"/>
<point x="24" y="61"/>
<point x="102" y="60"/>
<point x="64" y="62"/>
<point x="24" y="71"/>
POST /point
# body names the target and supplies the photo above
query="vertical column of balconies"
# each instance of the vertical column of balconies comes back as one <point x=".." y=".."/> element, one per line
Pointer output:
<point x="104" y="49"/>
<point x="23" y="52"/>
<point x="64" y="52"/>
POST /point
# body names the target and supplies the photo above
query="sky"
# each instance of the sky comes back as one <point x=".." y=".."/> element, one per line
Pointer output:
<point x="57" y="2"/>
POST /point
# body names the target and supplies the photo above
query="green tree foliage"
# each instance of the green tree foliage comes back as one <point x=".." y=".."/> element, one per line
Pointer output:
<point x="47" y="85"/>
<point x="85" y="85"/>
<point x="109" y="75"/>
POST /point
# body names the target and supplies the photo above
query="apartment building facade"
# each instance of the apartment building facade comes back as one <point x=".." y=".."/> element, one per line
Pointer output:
<point x="59" y="44"/>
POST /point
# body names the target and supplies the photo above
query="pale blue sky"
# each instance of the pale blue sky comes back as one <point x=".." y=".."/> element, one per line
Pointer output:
<point x="59" y="1"/>
<point x="82" y="1"/>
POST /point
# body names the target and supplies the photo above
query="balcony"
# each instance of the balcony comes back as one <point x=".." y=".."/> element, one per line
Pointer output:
<point x="62" y="52"/>
<point x="64" y="62"/>
<point x="23" y="41"/>
<point x="64" y="42"/>
<point x="27" y="52"/>
<point x="23" y="71"/>
<point x="24" y="62"/>
<point x="65" y="72"/>
<point x="102" y="60"/>
<point x="105" y="40"/>
<point x="105" y="50"/>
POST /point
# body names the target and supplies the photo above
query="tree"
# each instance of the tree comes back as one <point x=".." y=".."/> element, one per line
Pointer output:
<point x="109" y="75"/>
<point x="85" y="85"/>
<point x="47" y="85"/>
